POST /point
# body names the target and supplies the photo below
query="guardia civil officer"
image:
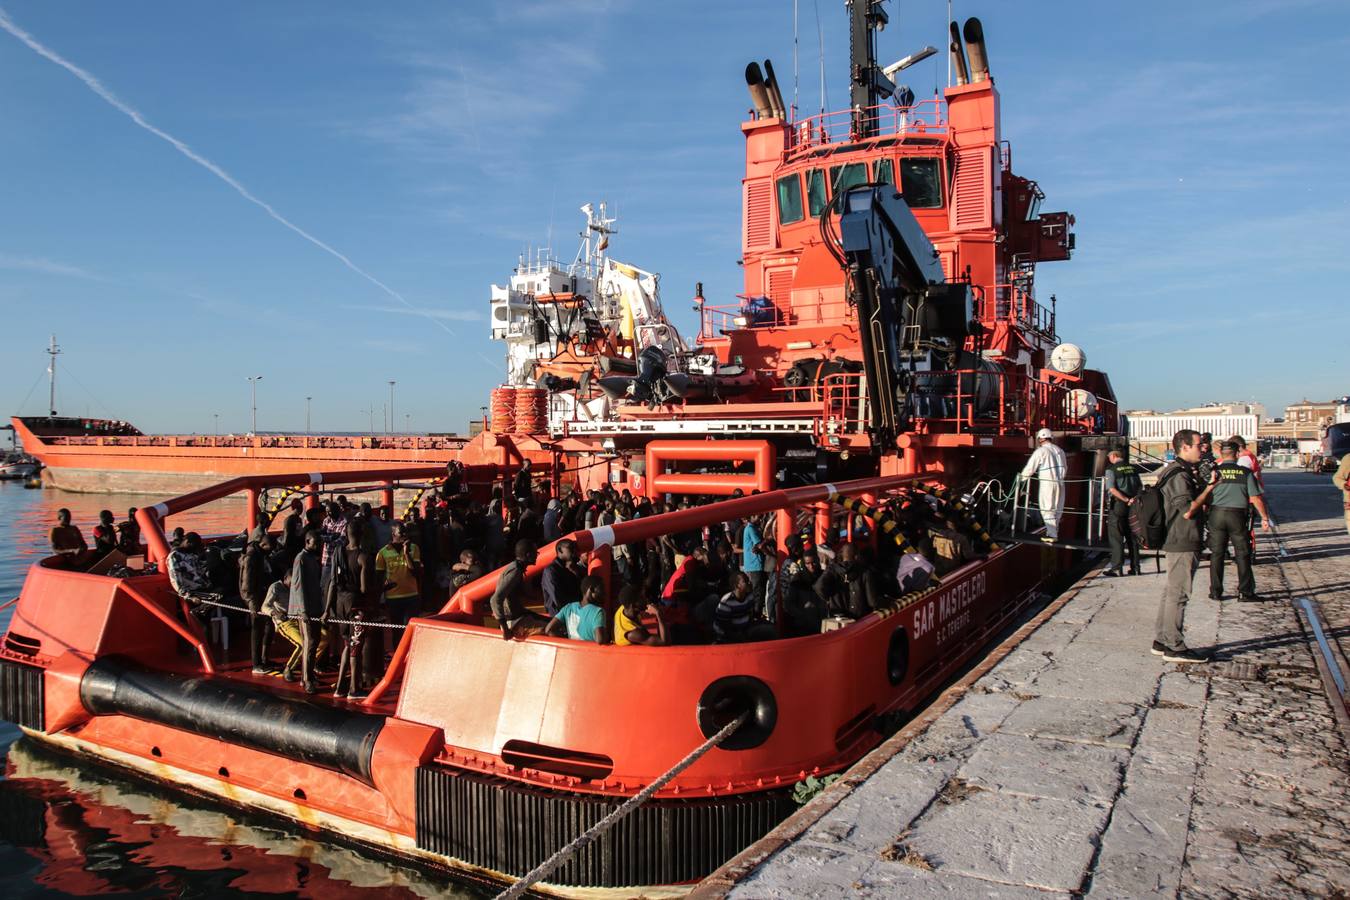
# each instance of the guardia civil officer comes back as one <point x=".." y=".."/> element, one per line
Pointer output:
<point x="1235" y="488"/>
<point x="1121" y="483"/>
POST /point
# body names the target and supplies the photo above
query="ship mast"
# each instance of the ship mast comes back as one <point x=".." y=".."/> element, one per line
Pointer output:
<point x="53" y="351"/>
<point x="868" y="86"/>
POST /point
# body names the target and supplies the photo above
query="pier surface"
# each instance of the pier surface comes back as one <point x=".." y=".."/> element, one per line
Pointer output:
<point x="1079" y="763"/>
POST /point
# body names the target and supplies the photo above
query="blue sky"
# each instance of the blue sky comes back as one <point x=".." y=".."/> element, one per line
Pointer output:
<point x="1201" y="146"/>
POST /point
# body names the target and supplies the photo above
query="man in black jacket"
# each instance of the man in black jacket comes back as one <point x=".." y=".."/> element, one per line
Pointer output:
<point x="1180" y="485"/>
<point x="849" y="586"/>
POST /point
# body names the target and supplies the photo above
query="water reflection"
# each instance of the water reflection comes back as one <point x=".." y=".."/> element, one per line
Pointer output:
<point x="27" y="517"/>
<point x="76" y="831"/>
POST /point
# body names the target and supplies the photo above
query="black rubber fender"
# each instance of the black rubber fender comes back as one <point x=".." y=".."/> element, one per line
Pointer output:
<point x="239" y="714"/>
<point x="728" y="697"/>
<point x="897" y="656"/>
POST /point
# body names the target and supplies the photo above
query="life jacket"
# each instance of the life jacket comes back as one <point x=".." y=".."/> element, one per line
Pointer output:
<point x="1127" y="479"/>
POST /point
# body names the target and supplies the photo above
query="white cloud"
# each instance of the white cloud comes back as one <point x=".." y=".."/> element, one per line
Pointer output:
<point x="46" y="267"/>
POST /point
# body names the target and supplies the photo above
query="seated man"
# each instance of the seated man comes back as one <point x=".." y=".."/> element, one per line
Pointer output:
<point x="913" y="573"/>
<point x="804" y="608"/>
<point x="849" y="586"/>
<point x="685" y="598"/>
<point x="467" y="570"/>
<point x="508" y="602"/>
<point x="637" y="621"/>
<point x="734" y="617"/>
<point x="276" y="606"/>
<point x="188" y="572"/>
<point x="582" y="620"/>
<point x="66" y="539"/>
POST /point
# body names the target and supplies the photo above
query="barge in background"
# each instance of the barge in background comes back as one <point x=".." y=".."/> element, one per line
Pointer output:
<point x="888" y="351"/>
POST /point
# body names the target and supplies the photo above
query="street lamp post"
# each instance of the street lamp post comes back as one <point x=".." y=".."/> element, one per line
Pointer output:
<point x="253" y="387"/>
<point x="215" y="429"/>
<point x="391" y="405"/>
<point x="307" y="399"/>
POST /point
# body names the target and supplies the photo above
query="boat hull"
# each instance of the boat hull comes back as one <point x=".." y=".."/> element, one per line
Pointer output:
<point x="433" y="796"/>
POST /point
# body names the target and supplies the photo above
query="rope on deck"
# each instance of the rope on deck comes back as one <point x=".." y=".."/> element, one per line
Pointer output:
<point x="364" y="623"/>
<point x="542" y="871"/>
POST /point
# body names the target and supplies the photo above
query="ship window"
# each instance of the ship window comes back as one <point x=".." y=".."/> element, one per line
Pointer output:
<point x="815" y="192"/>
<point x="844" y="177"/>
<point x="790" y="200"/>
<point x="921" y="182"/>
<point x="884" y="172"/>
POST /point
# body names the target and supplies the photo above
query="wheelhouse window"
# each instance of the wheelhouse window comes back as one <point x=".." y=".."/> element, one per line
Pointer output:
<point x="847" y="176"/>
<point x="815" y="192"/>
<point x="883" y="172"/>
<point x="790" y="200"/>
<point x="921" y="182"/>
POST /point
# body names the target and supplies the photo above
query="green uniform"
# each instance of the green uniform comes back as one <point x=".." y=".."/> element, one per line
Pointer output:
<point x="1228" y="524"/>
<point x="1124" y="477"/>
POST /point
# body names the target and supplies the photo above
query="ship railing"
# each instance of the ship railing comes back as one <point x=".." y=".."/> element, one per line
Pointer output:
<point x="1015" y="513"/>
<point x="925" y="117"/>
<point x="1013" y="303"/>
<point x="842" y="400"/>
<point x="751" y="312"/>
<point x="976" y="401"/>
<point x="270" y="441"/>
<point x="467" y="604"/>
<point x="152" y="518"/>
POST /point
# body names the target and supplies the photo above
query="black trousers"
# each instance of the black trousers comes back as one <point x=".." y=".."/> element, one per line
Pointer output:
<point x="1122" y="538"/>
<point x="1229" y="526"/>
<point x="260" y="632"/>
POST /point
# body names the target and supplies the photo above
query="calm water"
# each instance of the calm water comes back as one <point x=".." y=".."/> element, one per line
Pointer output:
<point x="67" y="830"/>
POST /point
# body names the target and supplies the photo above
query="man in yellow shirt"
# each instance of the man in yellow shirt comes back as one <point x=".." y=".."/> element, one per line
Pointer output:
<point x="637" y="621"/>
<point x="400" y="561"/>
<point x="1342" y="481"/>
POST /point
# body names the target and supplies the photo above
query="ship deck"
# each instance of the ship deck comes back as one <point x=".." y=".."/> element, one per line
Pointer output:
<point x="1073" y="761"/>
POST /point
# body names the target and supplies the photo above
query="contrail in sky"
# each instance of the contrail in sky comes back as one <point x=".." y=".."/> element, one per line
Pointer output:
<point x="130" y="112"/>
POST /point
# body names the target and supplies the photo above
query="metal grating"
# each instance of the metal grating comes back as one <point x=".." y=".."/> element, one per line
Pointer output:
<point x="511" y="828"/>
<point x="21" y="697"/>
<point x="972" y="200"/>
<point x="758" y="214"/>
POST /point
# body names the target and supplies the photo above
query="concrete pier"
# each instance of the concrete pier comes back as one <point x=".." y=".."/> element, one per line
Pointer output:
<point x="1078" y="763"/>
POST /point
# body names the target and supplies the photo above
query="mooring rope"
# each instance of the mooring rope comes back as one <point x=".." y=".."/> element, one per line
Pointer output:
<point x="365" y="623"/>
<point x="541" y="871"/>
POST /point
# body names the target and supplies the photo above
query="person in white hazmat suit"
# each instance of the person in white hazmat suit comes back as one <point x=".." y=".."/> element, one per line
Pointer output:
<point x="1049" y="465"/>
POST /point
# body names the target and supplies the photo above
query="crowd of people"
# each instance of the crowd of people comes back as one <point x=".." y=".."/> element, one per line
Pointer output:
<point x="326" y="578"/>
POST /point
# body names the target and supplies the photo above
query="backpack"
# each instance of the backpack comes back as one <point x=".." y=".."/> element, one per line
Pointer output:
<point x="1148" y="514"/>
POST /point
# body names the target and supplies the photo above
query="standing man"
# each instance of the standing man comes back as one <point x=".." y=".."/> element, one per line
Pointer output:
<point x="306" y="607"/>
<point x="1179" y="483"/>
<point x="255" y="577"/>
<point x="1342" y="481"/>
<point x="561" y="581"/>
<point x="400" y="562"/>
<point x="752" y="565"/>
<point x="1234" y="491"/>
<point x="1208" y="462"/>
<point x="1049" y="465"/>
<point x="66" y="539"/>
<point x="1122" y="485"/>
